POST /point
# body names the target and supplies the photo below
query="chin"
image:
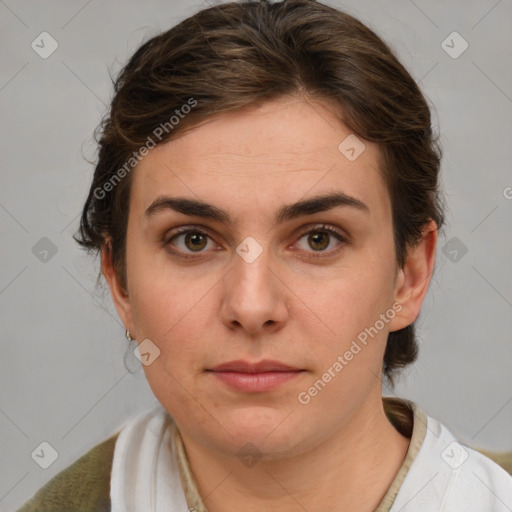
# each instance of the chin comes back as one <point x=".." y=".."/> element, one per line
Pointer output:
<point x="270" y="429"/>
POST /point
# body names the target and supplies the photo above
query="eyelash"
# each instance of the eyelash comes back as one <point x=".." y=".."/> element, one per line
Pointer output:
<point x="315" y="254"/>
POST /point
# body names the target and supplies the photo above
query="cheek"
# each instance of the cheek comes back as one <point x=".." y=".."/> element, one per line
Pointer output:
<point x="354" y="300"/>
<point x="175" y="321"/>
<point x="176" y="314"/>
<point x="158" y="298"/>
<point x="350" y="305"/>
<point x="347" y="362"/>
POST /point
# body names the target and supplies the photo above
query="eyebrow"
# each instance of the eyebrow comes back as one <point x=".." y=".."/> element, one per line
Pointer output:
<point x="198" y="208"/>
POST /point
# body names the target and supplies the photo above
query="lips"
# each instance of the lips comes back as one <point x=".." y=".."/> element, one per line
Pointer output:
<point x="257" y="377"/>
<point x="259" y="367"/>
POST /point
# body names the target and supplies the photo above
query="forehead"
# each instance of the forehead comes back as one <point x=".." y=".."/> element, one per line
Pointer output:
<point x="255" y="159"/>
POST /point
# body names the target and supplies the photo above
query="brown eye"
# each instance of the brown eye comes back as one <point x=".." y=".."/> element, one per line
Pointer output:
<point x="195" y="241"/>
<point x="319" y="240"/>
<point x="189" y="241"/>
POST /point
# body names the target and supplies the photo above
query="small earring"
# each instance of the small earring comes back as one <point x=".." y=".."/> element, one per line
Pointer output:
<point x="128" y="335"/>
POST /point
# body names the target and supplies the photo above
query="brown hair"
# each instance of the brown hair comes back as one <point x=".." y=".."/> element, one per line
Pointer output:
<point x="243" y="53"/>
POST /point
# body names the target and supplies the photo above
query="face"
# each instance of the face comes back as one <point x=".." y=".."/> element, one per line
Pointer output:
<point x="252" y="278"/>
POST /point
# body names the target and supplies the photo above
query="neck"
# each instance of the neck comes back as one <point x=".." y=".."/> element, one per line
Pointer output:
<point x="350" y="470"/>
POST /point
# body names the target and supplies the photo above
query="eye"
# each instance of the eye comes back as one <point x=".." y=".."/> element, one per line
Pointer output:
<point x="320" y="238"/>
<point x="189" y="241"/>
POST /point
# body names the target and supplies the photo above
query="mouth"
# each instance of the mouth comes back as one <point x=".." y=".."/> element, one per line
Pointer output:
<point x="254" y="377"/>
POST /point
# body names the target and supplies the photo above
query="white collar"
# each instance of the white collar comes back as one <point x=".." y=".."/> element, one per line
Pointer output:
<point x="449" y="476"/>
<point x="444" y="475"/>
<point x="145" y="475"/>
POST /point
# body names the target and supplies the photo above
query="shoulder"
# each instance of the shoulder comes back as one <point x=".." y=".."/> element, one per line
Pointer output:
<point x="453" y="477"/>
<point x="82" y="486"/>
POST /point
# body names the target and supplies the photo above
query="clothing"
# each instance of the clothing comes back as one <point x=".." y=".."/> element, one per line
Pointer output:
<point x="84" y="486"/>
<point x="145" y="475"/>
<point x="144" y="467"/>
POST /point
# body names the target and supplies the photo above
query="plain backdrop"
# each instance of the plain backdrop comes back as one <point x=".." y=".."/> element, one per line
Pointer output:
<point x="63" y="374"/>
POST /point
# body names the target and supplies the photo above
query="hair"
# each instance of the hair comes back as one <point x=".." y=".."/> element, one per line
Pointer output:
<point x="241" y="54"/>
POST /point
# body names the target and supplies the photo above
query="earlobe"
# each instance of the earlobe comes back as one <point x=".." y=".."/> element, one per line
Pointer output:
<point x="414" y="277"/>
<point x="119" y="296"/>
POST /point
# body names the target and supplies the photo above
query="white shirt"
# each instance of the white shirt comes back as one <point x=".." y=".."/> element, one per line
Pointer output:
<point x="444" y="476"/>
<point x="447" y="476"/>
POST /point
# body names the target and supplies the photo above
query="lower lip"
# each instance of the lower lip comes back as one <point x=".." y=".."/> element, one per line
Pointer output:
<point x="255" y="382"/>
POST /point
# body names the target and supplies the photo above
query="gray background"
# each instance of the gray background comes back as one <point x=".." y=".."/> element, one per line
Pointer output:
<point x="63" y="378"/>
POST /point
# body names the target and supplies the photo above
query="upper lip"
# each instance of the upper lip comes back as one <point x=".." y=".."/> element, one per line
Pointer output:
<point x="265" y="365"/>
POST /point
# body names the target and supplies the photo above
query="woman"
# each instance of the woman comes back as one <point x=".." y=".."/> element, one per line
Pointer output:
<point x="266" y="207"/>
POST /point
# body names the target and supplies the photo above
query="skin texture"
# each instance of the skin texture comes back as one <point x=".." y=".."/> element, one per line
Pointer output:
<point x="338" y="452"/>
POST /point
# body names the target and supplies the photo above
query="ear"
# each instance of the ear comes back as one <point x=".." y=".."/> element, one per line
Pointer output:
<point x="119" y="295"/>
<point x="413" y="278"/>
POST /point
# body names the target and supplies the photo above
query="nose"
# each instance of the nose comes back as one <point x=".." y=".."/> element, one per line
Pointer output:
<point x="254" y="299"/>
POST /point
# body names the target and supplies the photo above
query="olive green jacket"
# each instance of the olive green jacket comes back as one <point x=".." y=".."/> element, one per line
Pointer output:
<point x="84" y="486"/>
